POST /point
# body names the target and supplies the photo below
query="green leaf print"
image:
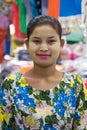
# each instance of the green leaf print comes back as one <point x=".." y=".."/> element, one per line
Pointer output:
<point x="51" y="120"/>
<point x="30" y="90"/>
<point x="7" y="84"/>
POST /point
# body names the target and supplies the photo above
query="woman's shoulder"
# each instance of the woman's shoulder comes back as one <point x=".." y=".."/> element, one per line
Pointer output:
<point x="13" y="76"/>
<point x="74" y="77"/>
<point x="11" y="79"/>
<point x="74" y="80"/>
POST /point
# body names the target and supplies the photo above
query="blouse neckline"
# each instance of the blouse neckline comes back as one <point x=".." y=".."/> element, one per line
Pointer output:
<point x="36" y="89"/>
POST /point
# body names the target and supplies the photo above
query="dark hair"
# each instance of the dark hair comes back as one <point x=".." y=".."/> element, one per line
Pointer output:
<point x="44" y="20"/>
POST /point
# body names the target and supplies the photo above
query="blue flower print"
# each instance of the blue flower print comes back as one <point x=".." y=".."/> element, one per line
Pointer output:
<point x="15" y="98"/>
<point x="47" y="127"/>
<point x="8" y="128"/>
<point x="26" y="100"/>
<point x="72" y="98"/>
<point x="29" y="101"/>
<point x="23" y="90"/>
<point x="59" y="107"/>
<point x="61" y="111"/>
<point x="2" y="95"/>
<point x="63" y="97"/>
<point x="76" y="116"/>
<point x="72" y="92"/>
<point x="22" y="94"/>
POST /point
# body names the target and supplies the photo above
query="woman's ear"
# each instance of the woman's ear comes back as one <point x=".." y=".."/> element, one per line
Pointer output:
<point x="26" y="42"/>
<point x="62" y="42"/>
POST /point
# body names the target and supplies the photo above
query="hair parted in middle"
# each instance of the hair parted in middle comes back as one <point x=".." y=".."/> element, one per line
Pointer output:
<point x="44" y="20"/>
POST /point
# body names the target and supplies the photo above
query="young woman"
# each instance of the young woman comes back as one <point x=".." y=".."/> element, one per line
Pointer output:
<point x="43" y="98"/>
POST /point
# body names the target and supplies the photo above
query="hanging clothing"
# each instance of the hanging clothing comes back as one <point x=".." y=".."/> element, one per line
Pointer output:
<point x="53" y="8"/>
<point x="16" y="20"/>
<point x="44" y="7"/>
<point x="22" y="15"/>
<point x="34" y="8"/>
<point x="28" y="10"/>
<point x="70" y="7"/>
<point x="9" y="1"/>
<point x="7" y="43"/>
<point x="2" y="49"/>
<point x="4" y="22"/>
<point x="38" y="2"/>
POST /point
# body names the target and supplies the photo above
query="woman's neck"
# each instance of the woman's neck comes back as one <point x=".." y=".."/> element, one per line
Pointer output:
<point x="43" y="78"/>
<point x="43" y="71"/>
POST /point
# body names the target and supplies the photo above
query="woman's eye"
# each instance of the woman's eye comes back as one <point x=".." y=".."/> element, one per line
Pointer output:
<point x="51" y="41"/>
<point x="36" y="41"/>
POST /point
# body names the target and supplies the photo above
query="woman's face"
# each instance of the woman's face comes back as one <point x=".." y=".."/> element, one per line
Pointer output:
<point x="44" y="46"/>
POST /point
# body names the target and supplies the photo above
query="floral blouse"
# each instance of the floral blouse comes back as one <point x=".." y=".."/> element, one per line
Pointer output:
<point x="23" y="107"/>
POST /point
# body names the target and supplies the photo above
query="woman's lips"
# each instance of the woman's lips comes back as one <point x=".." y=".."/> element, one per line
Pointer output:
<point x="43" y="55"/>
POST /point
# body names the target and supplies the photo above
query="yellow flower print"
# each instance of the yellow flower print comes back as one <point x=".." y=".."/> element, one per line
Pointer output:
<point x="85" y="91"/>
<point x="23" y="82"/>
<point x="44" y="110"/>
<point x="79" y="79"/>
<point x="1" y="116"/>
<point x="7" y="117"/>
<point x="48" y="111"/>
<point x="12" y="76"/>
<point x="62" y="79"/>
<point x="82" y="122"/>
<point x="39" y="111"/>
<point x="4" y="116"/>
<point x="71" y="84"/>
<point x="29" y="120"/>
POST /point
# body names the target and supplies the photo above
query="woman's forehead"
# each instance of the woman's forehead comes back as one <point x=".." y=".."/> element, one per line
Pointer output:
<point x="45" y="29"/>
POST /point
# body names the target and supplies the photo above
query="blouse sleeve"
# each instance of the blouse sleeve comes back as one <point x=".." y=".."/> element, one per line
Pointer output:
<point x="7" y="121"/>
<point x="80" y="117"/>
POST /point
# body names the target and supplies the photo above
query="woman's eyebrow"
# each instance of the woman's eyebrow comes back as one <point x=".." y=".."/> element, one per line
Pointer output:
<point x="36" y="37"/>
<point x="51" y="37"/>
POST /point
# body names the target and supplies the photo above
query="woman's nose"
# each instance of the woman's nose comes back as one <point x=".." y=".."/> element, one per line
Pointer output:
<point x="44" y="47"/>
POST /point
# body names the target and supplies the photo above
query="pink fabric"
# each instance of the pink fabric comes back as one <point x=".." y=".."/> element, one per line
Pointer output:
<point x="4" y="22"/>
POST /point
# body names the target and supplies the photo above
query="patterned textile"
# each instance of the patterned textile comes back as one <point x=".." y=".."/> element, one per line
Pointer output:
<point x="23" y="107"/>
